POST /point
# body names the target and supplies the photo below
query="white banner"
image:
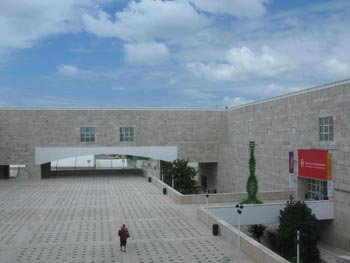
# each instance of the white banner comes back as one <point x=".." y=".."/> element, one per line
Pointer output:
<point x="330" y="188"/>
<point x="291" y="180"/>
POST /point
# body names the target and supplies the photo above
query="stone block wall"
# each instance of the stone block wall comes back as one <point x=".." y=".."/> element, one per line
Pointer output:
<point x="196" y="133"/>
<point x="286" y="124"/>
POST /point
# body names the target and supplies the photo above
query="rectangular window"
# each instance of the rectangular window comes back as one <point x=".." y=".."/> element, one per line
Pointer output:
<point x="326" y="128"/>
<point x="126" y="134"/>
<point x="292" y="130"/>
<point x="87" y="134"/>
<point x="317" y="189"/>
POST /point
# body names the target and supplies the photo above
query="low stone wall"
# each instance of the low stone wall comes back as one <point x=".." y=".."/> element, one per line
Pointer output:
<point x="176" y="196"/>
<point x="90" y="172"/>
<point x="219" y="197"/>
<point x="254" y="249"/>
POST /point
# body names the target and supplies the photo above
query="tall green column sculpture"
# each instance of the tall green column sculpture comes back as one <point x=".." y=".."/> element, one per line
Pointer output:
<point x="252" y="182"/>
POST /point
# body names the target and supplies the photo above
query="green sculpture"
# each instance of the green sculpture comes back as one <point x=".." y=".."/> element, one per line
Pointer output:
<point x="252" y="182"/>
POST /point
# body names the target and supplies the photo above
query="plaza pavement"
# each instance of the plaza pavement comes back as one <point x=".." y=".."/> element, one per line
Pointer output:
<point x="76" y="220"/>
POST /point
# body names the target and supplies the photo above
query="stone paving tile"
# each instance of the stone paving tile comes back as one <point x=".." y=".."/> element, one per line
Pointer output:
<point x="77" y="219"/>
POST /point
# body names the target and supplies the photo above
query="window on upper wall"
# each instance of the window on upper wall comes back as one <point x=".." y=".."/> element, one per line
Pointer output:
<point x="87" y="134"/>
<point x="326" y="128"/>
<point x="126" y="134"/>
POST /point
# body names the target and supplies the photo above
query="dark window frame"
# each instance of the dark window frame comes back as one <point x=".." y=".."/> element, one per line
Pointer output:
<point x="126" y="134"/>
<point x="326" y="128"/>
<point x="87" y="134"/>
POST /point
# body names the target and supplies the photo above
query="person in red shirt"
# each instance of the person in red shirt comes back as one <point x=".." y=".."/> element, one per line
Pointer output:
<point x="123" y="235"/>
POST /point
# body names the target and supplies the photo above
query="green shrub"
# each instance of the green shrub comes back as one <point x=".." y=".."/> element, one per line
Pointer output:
<point x="297" y="216"/>
<point x="183" y="176"/>
<point x="257" y="231"/>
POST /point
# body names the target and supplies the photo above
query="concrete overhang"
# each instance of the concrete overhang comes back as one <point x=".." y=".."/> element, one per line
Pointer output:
<point x="48" y="154"/>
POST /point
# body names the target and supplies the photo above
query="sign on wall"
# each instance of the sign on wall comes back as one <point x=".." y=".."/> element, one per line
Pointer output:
<point x="330" y="188"/>
<point x="314" y="164"/>
<point x="291" y="169"/>
<point x="330" y="166"/>
<point x="291" y="180"/>
<point x="291" y="162"/>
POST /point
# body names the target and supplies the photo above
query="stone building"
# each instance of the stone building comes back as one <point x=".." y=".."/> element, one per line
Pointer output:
<point x="311" y="121"/>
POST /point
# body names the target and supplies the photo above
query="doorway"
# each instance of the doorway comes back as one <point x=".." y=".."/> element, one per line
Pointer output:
<point x="4" y="172"/>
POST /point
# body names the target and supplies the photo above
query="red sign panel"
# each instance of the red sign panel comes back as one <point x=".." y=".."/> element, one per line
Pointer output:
<point x="313" y="164"/>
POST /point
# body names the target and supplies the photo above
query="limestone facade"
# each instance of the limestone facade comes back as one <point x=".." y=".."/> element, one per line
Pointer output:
<point x="196" y="133"/>
<point x="285" y="124"/>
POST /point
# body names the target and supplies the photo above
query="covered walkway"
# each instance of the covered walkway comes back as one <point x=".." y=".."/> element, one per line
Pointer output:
<point x="76" y="220"/>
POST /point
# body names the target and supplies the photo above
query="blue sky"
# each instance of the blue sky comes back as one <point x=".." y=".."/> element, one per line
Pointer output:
<point x="180" y="53"/>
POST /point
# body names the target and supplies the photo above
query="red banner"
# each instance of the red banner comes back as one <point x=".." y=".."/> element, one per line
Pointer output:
<point x="313" y="164"/>
<point x="291" y="162"/>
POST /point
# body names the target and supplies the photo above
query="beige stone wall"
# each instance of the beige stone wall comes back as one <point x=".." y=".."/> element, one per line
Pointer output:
<point x="270" y="124"/>
<point x="196" y="133"/>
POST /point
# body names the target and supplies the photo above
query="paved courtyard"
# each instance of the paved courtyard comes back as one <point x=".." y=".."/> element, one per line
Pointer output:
<point x="76" y="220"/>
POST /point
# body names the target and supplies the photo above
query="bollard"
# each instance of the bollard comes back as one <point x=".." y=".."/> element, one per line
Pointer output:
<point x="215" y="229"/>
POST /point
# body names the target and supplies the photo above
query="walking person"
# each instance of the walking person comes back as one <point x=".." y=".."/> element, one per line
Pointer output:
<point x="123" y="235"/>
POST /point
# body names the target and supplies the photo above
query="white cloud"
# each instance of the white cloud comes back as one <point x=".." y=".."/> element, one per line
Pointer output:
<point x="262" y="56"/>
<point x="306" y="46"/>
<point x="68" y="70"/>
<point x="242" y="64"/>
<point x="268" y="63"/>
<point x="197" y="94"/>
<point x="262" y="89"/>
<point x="150" y="53"/>
<point x="314" y="38"/>
<point x="23" y="23"/>
<point x="337" y="68"/>
<point x="235" y="101"/>
<point x="101" y="25"/>
<point x="212" y="71"/>
<point x="274" y="89"/>
<point x="238" y="8"/>
<point x="147" y="20"/>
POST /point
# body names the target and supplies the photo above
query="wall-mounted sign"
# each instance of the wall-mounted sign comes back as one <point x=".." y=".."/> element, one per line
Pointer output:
<point x="291" y="170"/>
<point x="291" y="180"/>
<point x="314" y="164"/>
<point x="330" y="167"/>
<point x="330" y="188"/>
<point x="291" y="162"/>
